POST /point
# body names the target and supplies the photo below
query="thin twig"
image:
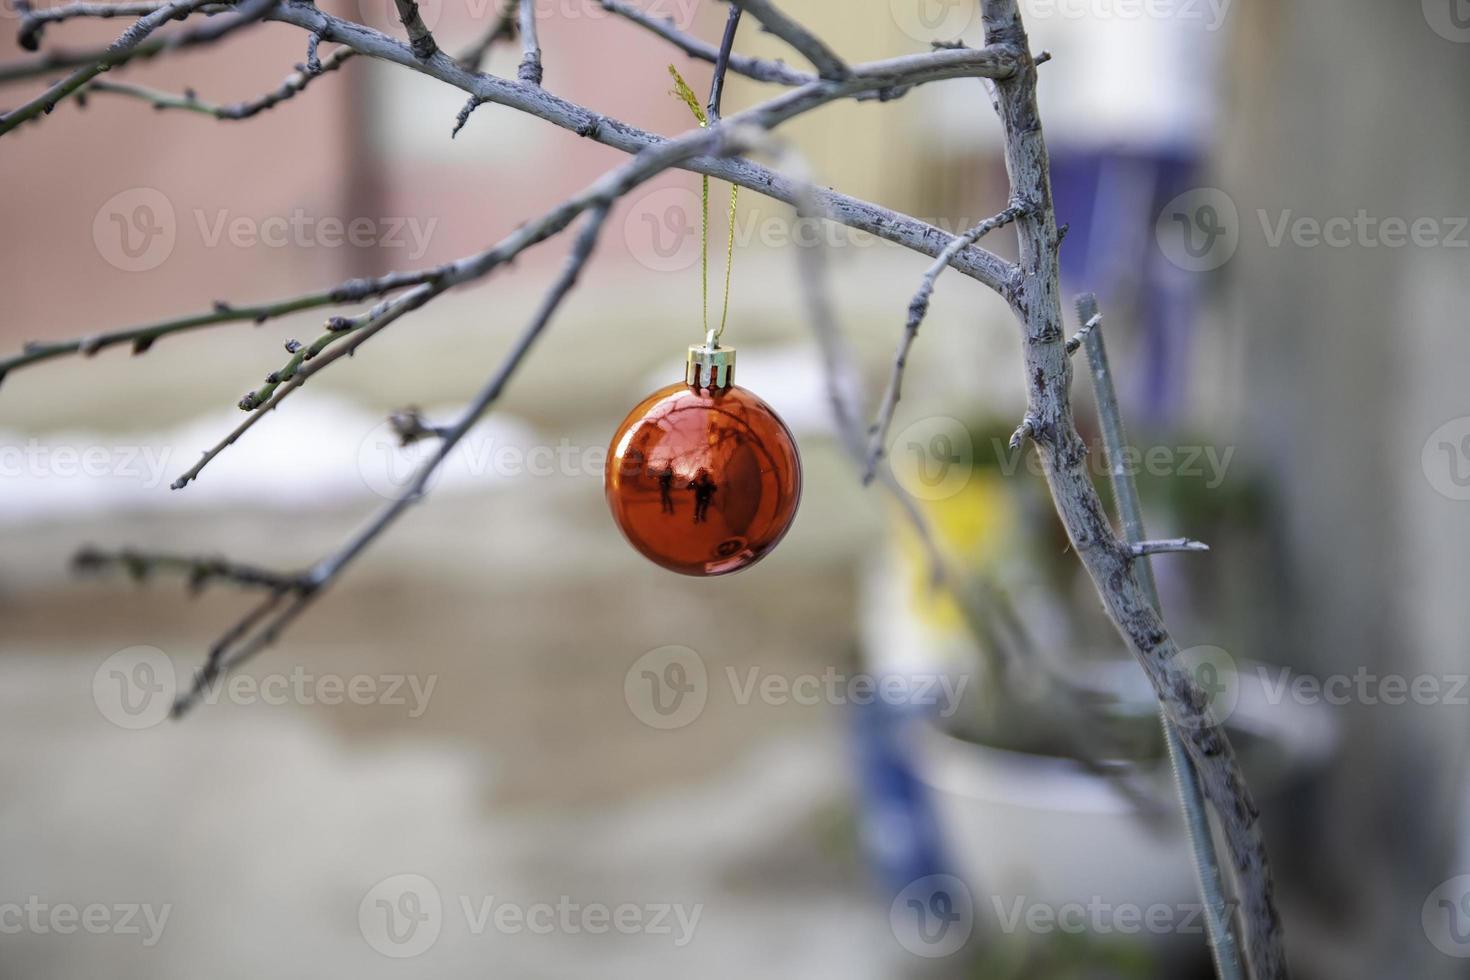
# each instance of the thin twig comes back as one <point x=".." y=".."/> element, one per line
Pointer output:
<point x="294" y="84"/>
<point x="34" y="22"/>
<point x="529" y="70"/>
<point x="760" y="69"/>
<point x="722" y="64"/>
<point x="420" y="39"/>
<point x="1080" y="337"/>
<point x="1130" y="511"/>
<point x="410" y="426"/>
<point x="918" y="308"/>
<point x="142" y="338"/>
<point x="1142" y="549"/>
<point x="199" y="570"/>
<point x="811" y="47"/>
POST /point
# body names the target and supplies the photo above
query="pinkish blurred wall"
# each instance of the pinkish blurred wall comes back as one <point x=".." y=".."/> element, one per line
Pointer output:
<point x="117" y="213"/>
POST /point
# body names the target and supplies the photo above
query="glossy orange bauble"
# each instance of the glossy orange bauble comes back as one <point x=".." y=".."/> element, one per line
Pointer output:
<point x="703" y="481"/>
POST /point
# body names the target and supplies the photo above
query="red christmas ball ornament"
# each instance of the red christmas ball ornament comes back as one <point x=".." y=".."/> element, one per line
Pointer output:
<point x="703" y="477"/>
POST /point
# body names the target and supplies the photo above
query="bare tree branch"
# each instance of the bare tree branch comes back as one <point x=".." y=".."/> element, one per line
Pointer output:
<point x="874" y="76"/>
<point x="728" y="138"/>
<point x="893" y="74"/>
<point x="131" y="46"/>
<point x="811" y="47"/>
<point x="1036" y="302"/>
<point x="972" y="261"/>
<point x="226" y="655"/>
<point x="120" y="50"/>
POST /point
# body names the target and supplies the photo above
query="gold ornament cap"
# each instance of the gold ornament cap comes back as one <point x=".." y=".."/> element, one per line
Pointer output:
<point x="710" y="366"/>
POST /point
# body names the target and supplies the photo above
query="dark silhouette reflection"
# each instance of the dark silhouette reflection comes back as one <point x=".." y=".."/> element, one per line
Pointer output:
<point x="704" y="488"/>
<point x="665" y="490"/>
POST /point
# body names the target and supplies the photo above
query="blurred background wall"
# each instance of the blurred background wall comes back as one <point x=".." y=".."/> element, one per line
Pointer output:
<point x="1307" y="399"/>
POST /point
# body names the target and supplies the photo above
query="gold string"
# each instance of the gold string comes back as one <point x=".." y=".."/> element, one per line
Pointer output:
<point x="683" y="92"/>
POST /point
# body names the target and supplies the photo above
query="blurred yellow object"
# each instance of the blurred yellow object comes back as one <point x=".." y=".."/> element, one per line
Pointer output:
<point x="974" y="528"/>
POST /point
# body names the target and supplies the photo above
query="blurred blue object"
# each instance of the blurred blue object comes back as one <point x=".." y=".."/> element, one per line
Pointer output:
<point x="1111" y="198"/>
<point x="899" y="831"/>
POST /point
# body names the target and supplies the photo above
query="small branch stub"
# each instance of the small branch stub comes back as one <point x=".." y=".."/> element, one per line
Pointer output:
<point x="1143" y="549"/>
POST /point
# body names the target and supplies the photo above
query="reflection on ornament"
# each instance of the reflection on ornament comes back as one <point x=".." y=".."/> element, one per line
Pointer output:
<point x="702" y="476"/>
